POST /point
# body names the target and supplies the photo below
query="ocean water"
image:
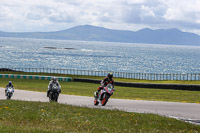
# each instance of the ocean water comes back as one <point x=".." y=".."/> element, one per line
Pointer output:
<point x="108" y="56"/>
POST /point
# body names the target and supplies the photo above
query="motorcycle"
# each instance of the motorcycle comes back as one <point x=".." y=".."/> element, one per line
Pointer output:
<point x="9" y="92"/>
<point x="104" y="95"/>
<point x="54" y="93"/>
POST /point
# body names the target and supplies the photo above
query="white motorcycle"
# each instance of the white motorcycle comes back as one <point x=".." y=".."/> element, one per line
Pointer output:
<point x="9" y="92"/>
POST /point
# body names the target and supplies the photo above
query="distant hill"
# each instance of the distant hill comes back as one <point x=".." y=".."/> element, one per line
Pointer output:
<point x="93" y="33"/>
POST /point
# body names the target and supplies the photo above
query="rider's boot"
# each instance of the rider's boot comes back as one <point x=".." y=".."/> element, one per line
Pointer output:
<point x="96" y="93"/>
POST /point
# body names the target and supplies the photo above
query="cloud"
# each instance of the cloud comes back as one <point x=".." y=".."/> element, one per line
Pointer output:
<point x="184" y="11"/>
<point x="52" y="15"/>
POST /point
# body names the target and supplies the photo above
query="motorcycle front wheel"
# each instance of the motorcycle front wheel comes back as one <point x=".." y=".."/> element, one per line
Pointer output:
<point x="104" y="100"/>
<point x="55" y="97"/>
<point x="8" y="96"/>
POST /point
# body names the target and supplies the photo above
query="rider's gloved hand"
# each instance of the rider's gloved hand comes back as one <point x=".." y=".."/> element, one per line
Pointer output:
<point x="102" y="84"/>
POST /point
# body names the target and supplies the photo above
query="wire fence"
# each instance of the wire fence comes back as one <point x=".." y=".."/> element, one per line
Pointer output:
<point x="138" y="76"/>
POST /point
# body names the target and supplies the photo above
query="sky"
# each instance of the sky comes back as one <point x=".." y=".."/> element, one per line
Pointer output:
<point x="55" y="15"/>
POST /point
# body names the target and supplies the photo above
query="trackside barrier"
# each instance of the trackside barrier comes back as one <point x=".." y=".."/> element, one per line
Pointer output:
<point x="190" y="87"/>
<point x="138" y="76"/>
<point x="66" y="79"/>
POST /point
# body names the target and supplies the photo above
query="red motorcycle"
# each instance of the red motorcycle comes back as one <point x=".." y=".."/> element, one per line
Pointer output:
<point x="104" y="95"/>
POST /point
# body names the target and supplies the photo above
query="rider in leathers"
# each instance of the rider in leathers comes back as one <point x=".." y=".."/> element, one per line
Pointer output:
<point x="105" y="81"/>
<point x="8" y="86"/>
<point x="51" y="83"/>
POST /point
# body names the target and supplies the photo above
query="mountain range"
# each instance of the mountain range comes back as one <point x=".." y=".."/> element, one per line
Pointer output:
<point x="93" y="33"/>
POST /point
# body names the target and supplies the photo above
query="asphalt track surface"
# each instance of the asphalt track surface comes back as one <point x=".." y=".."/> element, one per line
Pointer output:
<point x="184" y="111"/>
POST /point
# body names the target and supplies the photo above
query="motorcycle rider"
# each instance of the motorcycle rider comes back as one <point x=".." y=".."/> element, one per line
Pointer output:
<point x="107" y="80"/>
<point x="8" y="86"/>
<point x="51" y="83"/>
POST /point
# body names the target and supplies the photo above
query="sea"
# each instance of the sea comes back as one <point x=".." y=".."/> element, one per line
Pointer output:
<point x="94" y="55"/>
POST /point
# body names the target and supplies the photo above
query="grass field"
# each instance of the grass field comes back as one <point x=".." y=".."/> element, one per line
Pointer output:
<point x="87" y="89"/>
<point x="23" y="117"/>
<point x="100" y="78"/>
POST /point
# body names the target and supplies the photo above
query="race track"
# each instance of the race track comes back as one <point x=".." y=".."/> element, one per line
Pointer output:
<point x="184" y="111"/>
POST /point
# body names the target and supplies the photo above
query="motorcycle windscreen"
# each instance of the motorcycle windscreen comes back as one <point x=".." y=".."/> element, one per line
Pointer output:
<point x="109" y="87"/>
<point x="10" y="90"/>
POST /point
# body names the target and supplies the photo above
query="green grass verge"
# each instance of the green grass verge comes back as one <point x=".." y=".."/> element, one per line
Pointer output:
<point x="100" y="78"/>
<point x="21" y="116"/>
<point x="87" y="89"/>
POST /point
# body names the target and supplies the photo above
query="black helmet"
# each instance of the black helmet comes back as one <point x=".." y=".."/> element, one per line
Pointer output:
<point x="110" y="75"/>
<point x="10" y="83"/>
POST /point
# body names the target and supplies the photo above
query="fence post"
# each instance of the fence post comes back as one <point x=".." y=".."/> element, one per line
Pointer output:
<point x="187" y="76"/>
<point x="167" y="76"/>
<point x="150" y="76"/>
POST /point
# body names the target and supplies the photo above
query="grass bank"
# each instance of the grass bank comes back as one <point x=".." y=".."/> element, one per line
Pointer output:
<point x="87" y="89"/>
<point x="100" y="78"/>
<point x="20" y="116"/>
